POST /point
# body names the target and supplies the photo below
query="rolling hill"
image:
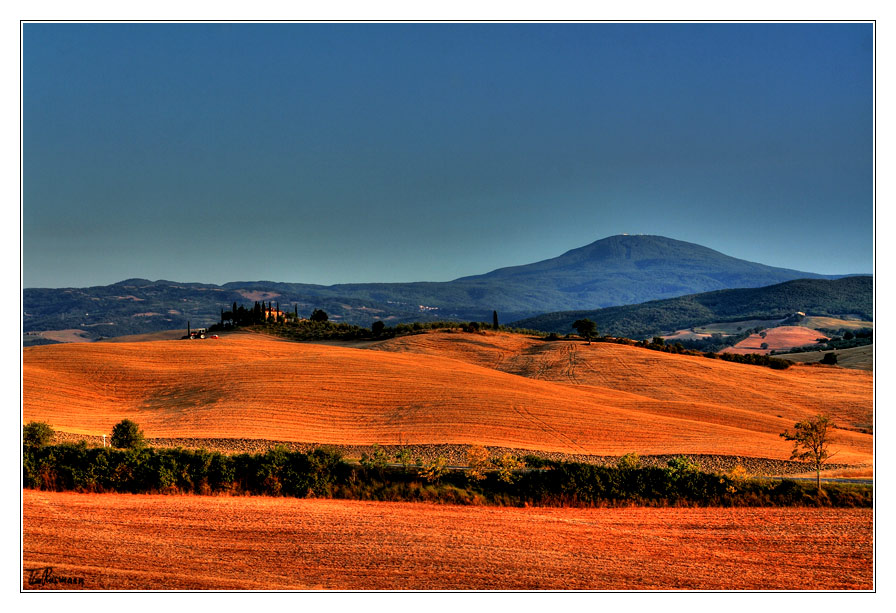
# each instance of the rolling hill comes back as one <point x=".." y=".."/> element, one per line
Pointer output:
<point x="493" y="389"/>
<point x="861" y="358"/>
<point x="613" y="271"/>
<point x="847" y="296"/>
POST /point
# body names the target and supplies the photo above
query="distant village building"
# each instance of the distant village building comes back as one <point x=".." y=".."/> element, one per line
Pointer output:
<point x="272" y="313"/>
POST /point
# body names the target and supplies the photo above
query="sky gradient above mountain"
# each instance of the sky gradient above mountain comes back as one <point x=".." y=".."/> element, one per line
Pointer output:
<point x="336" y="153"/>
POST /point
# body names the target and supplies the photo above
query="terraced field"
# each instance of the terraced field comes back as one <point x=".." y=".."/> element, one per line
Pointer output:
<point x="493" y="388"/>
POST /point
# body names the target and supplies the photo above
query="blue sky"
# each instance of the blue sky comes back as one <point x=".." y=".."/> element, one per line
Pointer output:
<point x="329" y="153"/>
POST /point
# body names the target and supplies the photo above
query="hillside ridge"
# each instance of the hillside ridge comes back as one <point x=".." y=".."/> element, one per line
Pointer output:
<point x="616" y="270"/>
<point x="852" y="295"/>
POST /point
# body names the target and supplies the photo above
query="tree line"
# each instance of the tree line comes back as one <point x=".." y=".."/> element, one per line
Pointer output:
<point x="319" y="326"/>
<point x="131" y="466"/>
<point x="323" y="473"/>
<point x="262" y="312"/>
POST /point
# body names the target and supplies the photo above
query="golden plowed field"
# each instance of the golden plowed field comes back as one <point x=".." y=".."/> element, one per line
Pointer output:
<point x="494" y="389"/>
<point x="783" y="337"/>
<point x="115" y="541"/>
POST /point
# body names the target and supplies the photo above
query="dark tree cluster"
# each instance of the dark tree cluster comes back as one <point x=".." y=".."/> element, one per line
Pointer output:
<point x="261" y="313"/>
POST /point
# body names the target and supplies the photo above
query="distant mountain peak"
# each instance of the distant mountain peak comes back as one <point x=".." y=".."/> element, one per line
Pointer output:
<point x="640" y="245"/>
<point x="136" y="282"/>
<point x="627" y="254"/>
<point x="615" y="270"/>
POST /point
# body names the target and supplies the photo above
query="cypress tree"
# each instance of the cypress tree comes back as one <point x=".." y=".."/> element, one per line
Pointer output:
<point x="495" y="320"/>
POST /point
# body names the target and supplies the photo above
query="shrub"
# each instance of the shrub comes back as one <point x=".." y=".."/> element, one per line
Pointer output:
<point x="434" y="471"/>
<point x="506" y="465"/>
<point x="534" y="461"/>
<point x="37" y="434"/>
<point x="683" y="477"/>
<point x="157" y="471"/>
<point x="376" y="460"/>
<point x="682" y="465"/>
<point x="403" y="457"/>
<point x="779" y="364"/>
<point x="221" y="473"/>
<point x="478" y="462"/>
<point x="127" y="435"/>
<point x="629" y="461"/>
<point x="324" y="468"/>
<point x="738" y="473"/>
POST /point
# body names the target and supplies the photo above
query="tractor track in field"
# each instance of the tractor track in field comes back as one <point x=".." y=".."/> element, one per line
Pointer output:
<point x="547" y="429"/>
<point x="572" y="357"/>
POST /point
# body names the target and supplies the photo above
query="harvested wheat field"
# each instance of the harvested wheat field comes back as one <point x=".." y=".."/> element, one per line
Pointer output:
<point x="861" y="358"/>
<point x="835" y="323"/>
<point x="115" y="541"/>
<point x="493" y="389"/>
<point x="776" y="339"/>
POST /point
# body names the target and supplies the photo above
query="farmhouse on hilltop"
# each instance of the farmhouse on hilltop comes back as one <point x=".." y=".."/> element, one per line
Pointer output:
<point x="270" y="312"/>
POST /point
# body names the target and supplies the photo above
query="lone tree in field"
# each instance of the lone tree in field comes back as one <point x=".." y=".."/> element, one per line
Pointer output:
<point x="586" y="328"/>
<point x="810" y="442"/>
<point x="37" y="434"/>
<point x="127" y="435"/>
